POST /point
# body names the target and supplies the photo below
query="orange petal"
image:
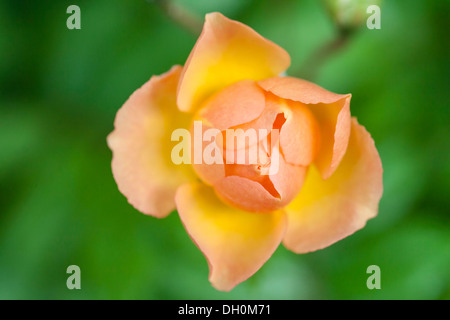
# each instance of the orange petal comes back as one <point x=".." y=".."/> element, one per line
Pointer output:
<point x="299" y="90"/>
<point x="261" y="126"/>
<point x="334" y="126"/>
<point x="326" y="211"/>
<point x="299" y="134"/>
<point x="244" y="187"/>
<point x="236" y="243"/>
<point x="264" y="186"/>
<point x="238" y="103"/>
<point x="331" y="110"/>
<point x="227" y="51"/>
<point x="289" y="179"/>
<point x="141" y="145"/>
<point x="249" y="195"/>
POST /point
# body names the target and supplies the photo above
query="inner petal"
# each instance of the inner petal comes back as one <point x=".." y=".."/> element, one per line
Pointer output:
<point x="239" y="103"/>
<point x="252" y="172"/>
<point x="279" y="178"/>
<point x="256" y="164"/>
<point x="264" y="159"/>
<point x="299" y="135"/>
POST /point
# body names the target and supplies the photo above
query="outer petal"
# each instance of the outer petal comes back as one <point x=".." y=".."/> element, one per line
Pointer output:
<point x="141" y="146"/>
<point x="332" y="111"/>
<point x="227" y="51"/>
<point x="326" y="211"/>
<point x="236" y="243"/>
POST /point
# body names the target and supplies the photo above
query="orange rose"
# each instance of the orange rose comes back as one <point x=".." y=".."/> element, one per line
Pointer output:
<point x="328" y="177"/>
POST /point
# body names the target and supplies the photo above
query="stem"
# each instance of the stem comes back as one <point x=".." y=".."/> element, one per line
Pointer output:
<point x="317" y="59"/>
<point x="181" y="16"/>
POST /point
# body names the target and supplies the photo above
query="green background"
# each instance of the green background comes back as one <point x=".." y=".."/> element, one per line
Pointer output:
<point x="59" y="205"/>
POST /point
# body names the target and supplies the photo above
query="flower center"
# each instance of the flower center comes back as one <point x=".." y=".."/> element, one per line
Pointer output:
<point x="255" y="174"/>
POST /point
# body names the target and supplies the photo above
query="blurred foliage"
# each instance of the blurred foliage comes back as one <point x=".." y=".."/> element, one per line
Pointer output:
<point x="59" y="205"/>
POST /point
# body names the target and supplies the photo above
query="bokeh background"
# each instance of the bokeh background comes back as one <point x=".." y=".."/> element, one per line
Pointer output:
<point x="59" y="205"/>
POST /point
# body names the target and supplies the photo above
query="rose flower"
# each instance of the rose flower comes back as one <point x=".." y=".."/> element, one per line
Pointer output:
<point x="310" y="177"/>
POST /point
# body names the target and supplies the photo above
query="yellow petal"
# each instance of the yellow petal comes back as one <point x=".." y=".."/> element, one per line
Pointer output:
<point x="236" y="243"/>
<point x="227" y="51"/>
<point x="141" y="145"/>
<point x="326" y="211"/>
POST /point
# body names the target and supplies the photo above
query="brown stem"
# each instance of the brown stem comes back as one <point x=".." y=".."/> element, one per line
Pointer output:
<point x="181" y="16"/>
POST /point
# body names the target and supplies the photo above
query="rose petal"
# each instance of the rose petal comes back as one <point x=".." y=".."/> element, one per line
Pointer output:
<point x="265" y="186"/>
<point x="332" y="112"/>
<point x="289" y="179"/>
<point x="238" y="103"/>
<point x="334" y="126"/>
<point x="299" y="135"/>
<point x="299" y="90"/>
<point x="141" y="146"/>
<point x="326" y="211"/>
<point x="236" y="243"/>
<point x="251" y="155"/>
<point x="208" y="169"/>
<point x="247" y="194"/>
<point x="227" y="51"/>
<point x="259" y="128"/>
